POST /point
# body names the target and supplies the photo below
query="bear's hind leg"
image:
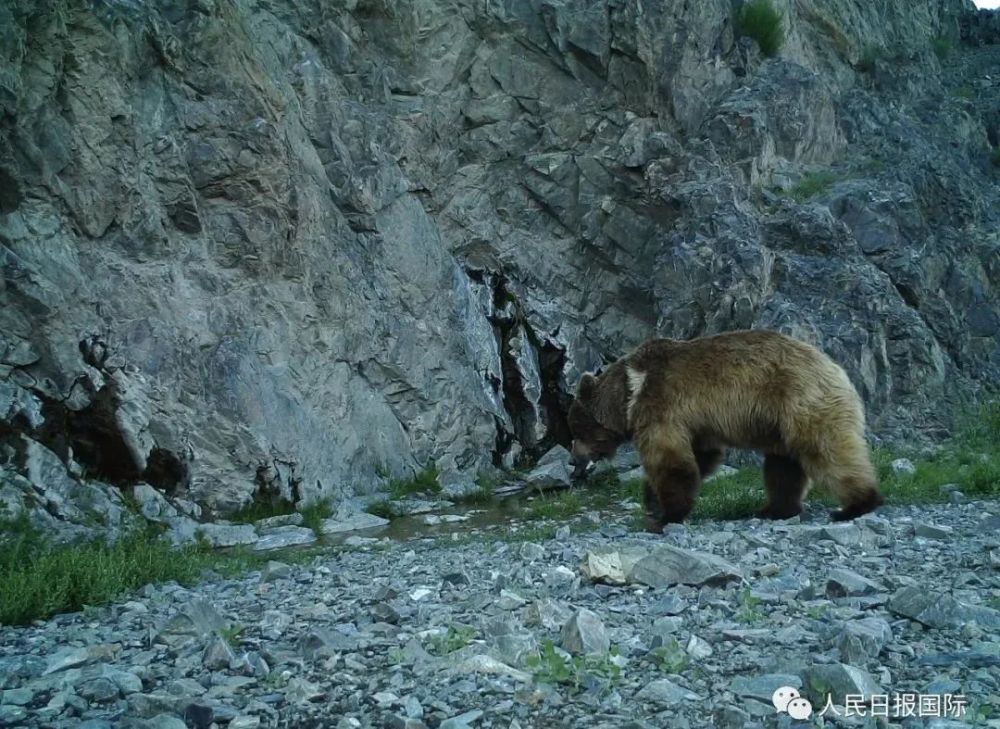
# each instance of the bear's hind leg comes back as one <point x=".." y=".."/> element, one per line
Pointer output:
<point x="846" y="471"/>
<point x="785" y="482"/>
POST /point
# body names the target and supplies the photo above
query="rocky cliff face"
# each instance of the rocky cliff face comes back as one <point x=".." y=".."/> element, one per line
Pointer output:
<point x="252" y="246"/>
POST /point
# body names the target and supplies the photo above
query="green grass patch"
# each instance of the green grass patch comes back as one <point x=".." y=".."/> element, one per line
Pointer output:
<point x="314" y="514"/>
<point x="749" y="611"/>
<point x="383" y="509"/>
<point x="761" y="21"/>
<point x="257" y="510"/>
<point x="812" y="184"/>
<point x="483" y="494"/>
<point x="869" y="59"/>
<point x="559" y="505"/>
<point x="550" y="666"/>
<point x="457" y="637"/>
<point x="424" y="481"/>
<point x="942" y="47"/>
<point x="39" y="579"/>
<point x="670" y="657"/>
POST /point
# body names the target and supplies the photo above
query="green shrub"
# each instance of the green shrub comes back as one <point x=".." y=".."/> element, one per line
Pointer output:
<point x="39" y="579"/>
<point x="314" y="514"/>
<point x="382" y="509"/>
<point x="425" y="481"/>
<point x="812" y="184"/>
<point x="758" y="19"/>
<point x="942" y="47"/>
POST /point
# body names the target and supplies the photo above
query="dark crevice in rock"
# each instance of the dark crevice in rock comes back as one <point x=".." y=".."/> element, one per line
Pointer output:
<point x="92" y="437"/>
<point x="165" y="471"/>
<point x="555" y="401"/>
<point x="11" y="196"/>
<point x="510" y="323"/>
<point x="908" y="295"/>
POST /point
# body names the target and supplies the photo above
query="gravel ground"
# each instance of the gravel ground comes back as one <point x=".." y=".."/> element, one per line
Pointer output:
<point x="694" y="628"/>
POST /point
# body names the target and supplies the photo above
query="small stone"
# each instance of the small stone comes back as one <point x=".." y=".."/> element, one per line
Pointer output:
<point x="196" y="619"/>
<point x="68" y="658"/>
<point x="275" y="571"/>
<point x="845" y="583"/>
<point x="199" y="716"/>
<point x="552" y="470"/>
<point x="244" y="722"/>
<point x="462" y="721"/>
<point x="12" y="715"/>
<point x="721" y="472"/>
<point x="406" y="722"/>
<point x="217" y="655"/>
<point x="698" y="648"/>
<point x="17" y="696"/>
<point x="165" y="721"/>
<point x="488" y="665"/>
<point x="667" y="566"/>
<point x="412" y="707"/>
<point x="932" y="531"/>
<point x="665" y="692"/>
<point x="584" y="633"/>
<point x="284" y="537"/>
<point x="903" y="466"/>
<point x="562" y="533"/>
<point x="861" y="640"/>
<point x="838" y="680"/>
<point x="510" y="600"/>
<point x="352" y="522"/>
<point x="531" y="552"/>
<point x="294" y="519"/>
<point x="227" y="535"/>
<point x="763" y="687"/>
<point x="99" y="690"/>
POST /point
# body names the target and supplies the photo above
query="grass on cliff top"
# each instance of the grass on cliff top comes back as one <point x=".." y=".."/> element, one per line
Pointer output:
<point x="39" y="579"/>
<point x="760" y="20"/>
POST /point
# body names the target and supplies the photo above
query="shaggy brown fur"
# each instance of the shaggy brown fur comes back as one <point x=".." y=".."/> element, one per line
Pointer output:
<point x="684" y="402"/>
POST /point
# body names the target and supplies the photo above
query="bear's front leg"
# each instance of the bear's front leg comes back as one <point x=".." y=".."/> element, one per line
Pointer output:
<point x="673" y="479"/>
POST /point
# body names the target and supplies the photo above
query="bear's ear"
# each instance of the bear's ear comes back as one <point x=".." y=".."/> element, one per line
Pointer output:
<point x="588" y="386"/>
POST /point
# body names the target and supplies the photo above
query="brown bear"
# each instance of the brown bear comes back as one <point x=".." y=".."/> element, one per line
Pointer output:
<point x="684" y="402"/>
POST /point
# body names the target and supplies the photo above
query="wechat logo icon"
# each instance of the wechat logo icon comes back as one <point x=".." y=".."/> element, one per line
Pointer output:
<point x="787" y="699"/>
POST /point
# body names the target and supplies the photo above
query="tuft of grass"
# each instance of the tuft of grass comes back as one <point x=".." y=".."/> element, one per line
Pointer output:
<point x="733" y="496"/>
<point x="381" y="508"/>
<point x="483" y="494"/>
<point x="39" y="579"/>
<point x="232" y="634"/>
<point x="869" y="59"/>
<point x="257" y="510"/>
<point x="314" y="514"/>
<point x="749" y="611"/>
<point x="561" y="505"/>
<point x="551" y="667"/>
<point x="761" y="21"/>
<point x="424" y="481"/>
<point x="457" y="637"/>
<point x="942" y="47"/>
<point x="670" y="657"/>
<point x="811" y="185"/>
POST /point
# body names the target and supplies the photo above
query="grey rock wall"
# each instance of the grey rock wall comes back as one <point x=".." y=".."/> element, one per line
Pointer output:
<point x="293" y="248"/>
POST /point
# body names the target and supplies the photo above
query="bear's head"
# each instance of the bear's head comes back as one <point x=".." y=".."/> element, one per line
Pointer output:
<point x="597" y="418"/>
